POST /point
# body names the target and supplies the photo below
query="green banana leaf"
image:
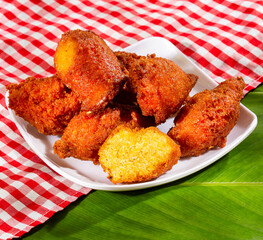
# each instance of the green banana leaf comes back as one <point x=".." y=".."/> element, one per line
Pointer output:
<point x="222" y="201"/>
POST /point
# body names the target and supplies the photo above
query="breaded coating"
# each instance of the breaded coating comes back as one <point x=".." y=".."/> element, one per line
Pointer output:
<point x="87" y="131"/>
<point x="44" y="102"/>
<point x="85" y="134"/>
<point x="127" y="60"/>
<point x="88" y="66"/>
<point x="132" y="117"/>
<point x="137" y="155"/>
<point x="208" y="117"/>
<point x="160" y="85"/>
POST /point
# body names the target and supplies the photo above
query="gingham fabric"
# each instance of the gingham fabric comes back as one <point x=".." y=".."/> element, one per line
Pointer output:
<point x="224" y="38"/>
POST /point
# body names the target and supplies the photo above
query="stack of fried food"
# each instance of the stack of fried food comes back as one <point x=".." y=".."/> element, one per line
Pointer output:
<point x="106" y="106"/>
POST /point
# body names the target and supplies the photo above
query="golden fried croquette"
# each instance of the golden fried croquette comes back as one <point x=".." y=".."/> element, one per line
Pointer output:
<point x="207" y="118"/>
<point x="160" y="85"/>
<point x="87" y="131"/>
<point x="44" y="102"/>
<point x="137" y="155"/>
<point x="87" y="65"/>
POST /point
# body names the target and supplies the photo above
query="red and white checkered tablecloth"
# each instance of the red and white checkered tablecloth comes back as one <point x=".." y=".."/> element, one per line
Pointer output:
<point x="224" y="38"/>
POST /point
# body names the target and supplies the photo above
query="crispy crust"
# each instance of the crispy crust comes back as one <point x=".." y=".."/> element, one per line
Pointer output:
<point x="44" y="102"/>
<point x="207" y="118"/>
<point x="88" y="66"/>
<point x="132" y="117"/>
<point x="160" y="85"/>
<point x="85" y="133"/>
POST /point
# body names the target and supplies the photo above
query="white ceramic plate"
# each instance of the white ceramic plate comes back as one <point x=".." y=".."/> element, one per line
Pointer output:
<point x="89" y="175"/>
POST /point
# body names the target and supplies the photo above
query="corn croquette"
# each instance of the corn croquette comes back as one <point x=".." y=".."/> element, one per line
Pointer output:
<point x="160" y="85"/>
<point x="137" y="155"/>
<point x="87" y="131"/>
<point x="44" y="102"/>
<point x="106" y="105"/>
<point x="208" y="117"/>
<point x="88" y="67"/>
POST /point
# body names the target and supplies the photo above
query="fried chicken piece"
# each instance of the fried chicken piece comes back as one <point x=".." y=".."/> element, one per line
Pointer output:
<point x="208" y="117"/>
<point x="44" y="102"/>
<point x="137" y="155"/>
<point x="86" y="132"/>
<point x="88" y="66"/>
<point x="160" y="85"/>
